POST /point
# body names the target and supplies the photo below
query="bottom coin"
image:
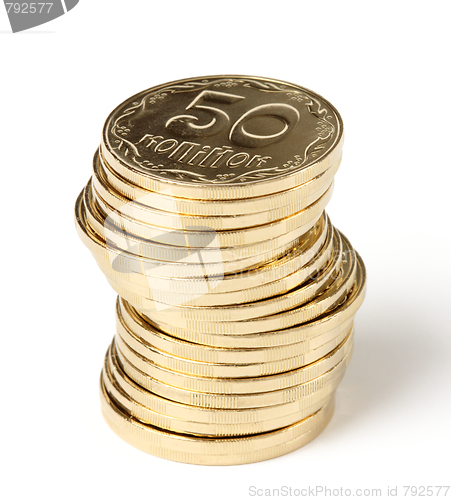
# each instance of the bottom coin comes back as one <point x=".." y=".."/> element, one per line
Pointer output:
<point x="213" y="451"/>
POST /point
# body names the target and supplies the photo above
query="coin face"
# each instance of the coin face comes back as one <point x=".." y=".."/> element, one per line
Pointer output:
<point x="222" y="130"/>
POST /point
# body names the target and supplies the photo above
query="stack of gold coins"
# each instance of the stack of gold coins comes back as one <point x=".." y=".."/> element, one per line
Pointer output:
<point x="237" y="296"/>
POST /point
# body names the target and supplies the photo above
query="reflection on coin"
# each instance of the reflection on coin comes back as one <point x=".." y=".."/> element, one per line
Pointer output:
<point x="157" y="379"/>
<point x="166" y="414"/>
<point x="143" y="208"/>
<point x="213" y="451"/>
<point x="222" y="137"/>
<point x="149" y="288"/>
<point x="246" y="256"/>
<point x="128" y="318"/>
<point x="302" y="253"/>
<point x="212" y="208"/>
<point x="180" y="306"/>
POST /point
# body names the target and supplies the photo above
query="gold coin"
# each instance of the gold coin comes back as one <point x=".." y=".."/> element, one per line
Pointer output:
<point x="180" y="310"/>
<point x="329" y="299"/>
<point x="261" y="253"/>
<point x="126" y="261"/>
<point x="149" y="359"/>
<point x="222" y="137"/>
<point x="334" y="318"/>
<point x="301" y="396"/>
<point x="215" y="208"/>
<point x="145" y="241"/>
<point x="198" y="352"/>
<point x="218" y="416"/>
<point x="160" y="412"/>
<point x="282" y="312"/>
<point x="148" y="288"/>
<point x="305" y="256"/>
<point x="237" y="296"/>
<point x="213" y="451"/>
<point x="121" y="241"/>
<point x="149" y="291"/>
<point x="205" y="391"/>
<point x="118" y="221"/>
<point x="143" y="209"/>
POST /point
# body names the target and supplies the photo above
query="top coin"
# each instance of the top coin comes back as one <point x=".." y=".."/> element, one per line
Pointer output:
<point x="222" y="137"/>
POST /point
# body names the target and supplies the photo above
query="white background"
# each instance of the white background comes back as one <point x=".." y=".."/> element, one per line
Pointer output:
<point x="385" y="66"/>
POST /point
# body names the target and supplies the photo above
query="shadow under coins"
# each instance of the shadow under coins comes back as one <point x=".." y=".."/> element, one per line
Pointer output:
<point x="395" y="354"/>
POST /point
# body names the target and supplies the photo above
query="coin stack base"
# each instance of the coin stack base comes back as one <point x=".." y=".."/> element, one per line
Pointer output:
<point x="213" y="451"/>
<point x="236" y="294"/>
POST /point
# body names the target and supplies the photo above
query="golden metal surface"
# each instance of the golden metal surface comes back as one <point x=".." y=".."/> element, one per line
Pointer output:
<point x="333" y="318"/>
<point x="246" y="256"/>
<point x="220" y="418"/>
<point x="164" y="382"/>
<point x="147" y="287"/>
<point x="150" y="360"/>
<point x="185" y="313"/>
<point x="217" y="208"/>
<point x="128" y="320"/>
<point x="251" y="137"/>
<point x="143" y="210"/>
<point x="337" y="289"/>
<point x="213" y="451"/>
<point x="152" y="409"/>
<point x="294" y="398"/>
<point x="305" y="252"/>
<point x="295" y="224"/>
<point x="237" y="296"/>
